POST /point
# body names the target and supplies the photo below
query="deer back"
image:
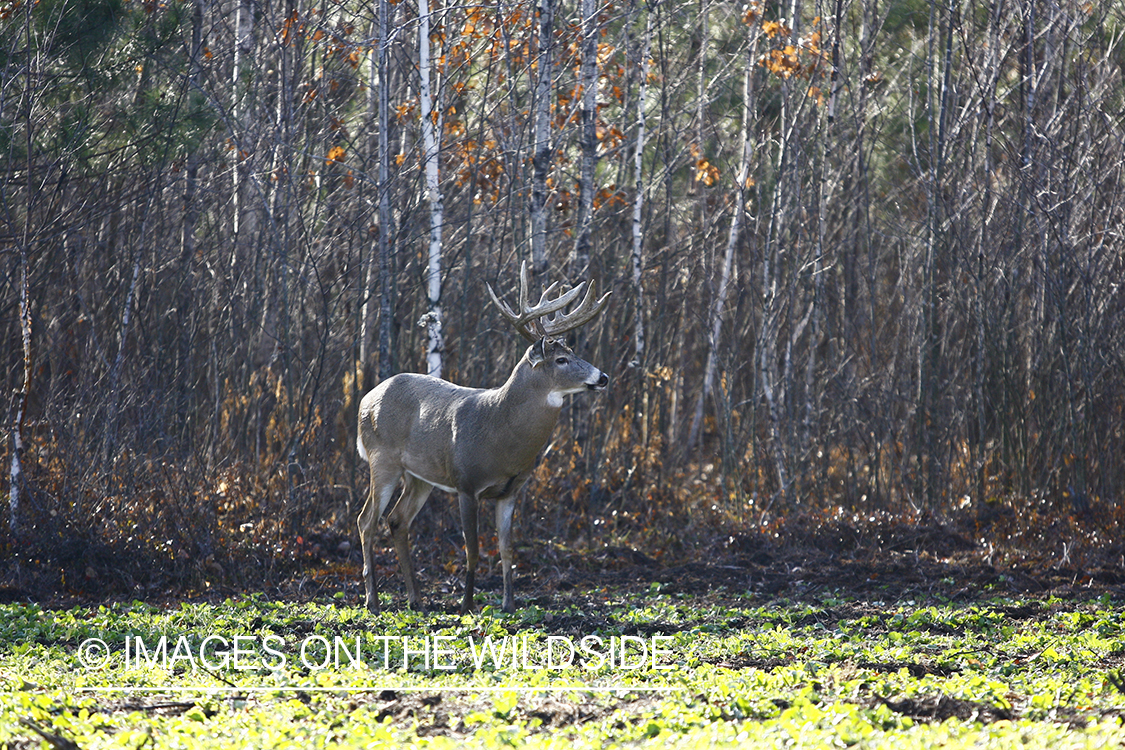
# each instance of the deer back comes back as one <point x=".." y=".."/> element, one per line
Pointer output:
<point x="476" y="441"/>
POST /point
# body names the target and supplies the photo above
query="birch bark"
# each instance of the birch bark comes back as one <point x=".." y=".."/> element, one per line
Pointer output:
<point x="431" y="129"/>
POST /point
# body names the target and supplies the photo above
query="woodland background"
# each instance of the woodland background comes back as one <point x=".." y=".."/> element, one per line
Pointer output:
<point x="866" y="257"/>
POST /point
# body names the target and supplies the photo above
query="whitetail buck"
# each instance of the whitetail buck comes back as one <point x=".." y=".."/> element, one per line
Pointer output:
<point x="478" y="443"/>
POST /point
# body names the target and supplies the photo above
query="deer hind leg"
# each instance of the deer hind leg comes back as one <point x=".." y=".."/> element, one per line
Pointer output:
<point x="414" y="494"/>
<point x="472" y="547"/>
<point x="382" y="489"/>
<point x="505" y="508"/>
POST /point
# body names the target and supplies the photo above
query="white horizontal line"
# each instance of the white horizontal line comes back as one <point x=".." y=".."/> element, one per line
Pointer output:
<point x="381" y="688"/>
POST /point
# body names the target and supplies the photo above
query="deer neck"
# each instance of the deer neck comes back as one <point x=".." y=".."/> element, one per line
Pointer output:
<point x="528" y="400"/>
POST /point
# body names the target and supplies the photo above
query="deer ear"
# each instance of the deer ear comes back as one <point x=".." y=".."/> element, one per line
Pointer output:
<point x="537" y="353"/>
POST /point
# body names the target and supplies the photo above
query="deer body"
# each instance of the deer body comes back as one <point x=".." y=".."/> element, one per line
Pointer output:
<point x="492" y="434"/>
<point x="481" y="444"/>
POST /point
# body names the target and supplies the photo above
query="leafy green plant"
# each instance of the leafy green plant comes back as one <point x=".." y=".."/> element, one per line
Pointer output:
<point x="730" y="672"/>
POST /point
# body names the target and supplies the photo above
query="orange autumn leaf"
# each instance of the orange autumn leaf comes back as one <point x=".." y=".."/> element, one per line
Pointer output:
<point x="775" y="28"/>
<point x="706" y="172"/>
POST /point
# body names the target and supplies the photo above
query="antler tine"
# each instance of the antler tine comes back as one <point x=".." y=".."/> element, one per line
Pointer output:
<point x="587" y="310"/>
<point x="544" y="306"/>
<point x="527" y="320"/>
<point x="533" y="323"/>
<point x="515" y="320"/>
<point x="525" y="285"/>
<point x="532" y="317"/>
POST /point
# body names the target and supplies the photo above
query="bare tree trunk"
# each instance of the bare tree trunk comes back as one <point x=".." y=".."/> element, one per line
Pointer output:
<point x="245" y="220"/>
<point x="742" y="180"/>
<point x="541" y="159"/>
<point x="929" y="340"/>
<point x="1031" y="239"/>
<point x="114" y="395"/>
<point x="639" y="362"/>
<point x="386" y="366"/>
<point x="282" y="214"/>
<point x="588" y="81"/>
<point x="431" y="130"/>
<point x="769" y="379"/>
<point x="979" y="433"/>
<point x="701" y="82"/>
<point x="366" y="262"/>
<point x="15" y="473"/>
<point x="191" y="175"/>
<point x="825" y="324"/>
<point x="638" y="202"/>
<point x="379" y="268"/>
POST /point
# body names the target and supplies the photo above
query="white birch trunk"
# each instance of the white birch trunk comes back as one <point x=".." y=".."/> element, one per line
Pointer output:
<point x="15" y="476"/>
<point x="374" y="125"/>
<point x="431" y="128"/>
<point x="15" y="472"/>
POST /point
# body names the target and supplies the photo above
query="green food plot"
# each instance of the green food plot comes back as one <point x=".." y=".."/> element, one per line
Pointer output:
<point x="601" y="669"/>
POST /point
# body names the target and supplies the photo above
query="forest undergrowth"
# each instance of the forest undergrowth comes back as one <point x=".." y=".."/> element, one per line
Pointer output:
<point x="155" y="528"/>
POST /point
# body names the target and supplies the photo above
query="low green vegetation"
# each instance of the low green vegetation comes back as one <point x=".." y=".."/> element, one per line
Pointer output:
<point x="602" y="668"/>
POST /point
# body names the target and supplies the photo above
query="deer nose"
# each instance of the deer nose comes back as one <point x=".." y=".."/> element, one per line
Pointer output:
<point x="603" y="381"/>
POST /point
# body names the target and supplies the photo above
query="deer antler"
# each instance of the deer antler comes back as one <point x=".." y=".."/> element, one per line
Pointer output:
<point x="533" y="323"/>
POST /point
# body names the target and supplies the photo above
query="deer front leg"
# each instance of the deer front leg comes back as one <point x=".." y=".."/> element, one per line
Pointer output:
<point x="505" y="507"/>
<point x="472" y="550"/>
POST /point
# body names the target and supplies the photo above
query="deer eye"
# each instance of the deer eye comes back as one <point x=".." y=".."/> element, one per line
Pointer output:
<point x="561" y="361"/>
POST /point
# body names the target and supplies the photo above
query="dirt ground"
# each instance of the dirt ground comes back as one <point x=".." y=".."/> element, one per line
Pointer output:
<point x="923" y="563"/>
<point x="878" y="563"/>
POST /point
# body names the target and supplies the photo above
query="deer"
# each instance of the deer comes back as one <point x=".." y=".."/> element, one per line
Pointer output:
<point x="477" y="443"/>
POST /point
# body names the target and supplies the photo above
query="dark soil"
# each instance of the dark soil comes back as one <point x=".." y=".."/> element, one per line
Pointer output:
<point x="874" y="563"/>
<point x="938" y="708"/>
